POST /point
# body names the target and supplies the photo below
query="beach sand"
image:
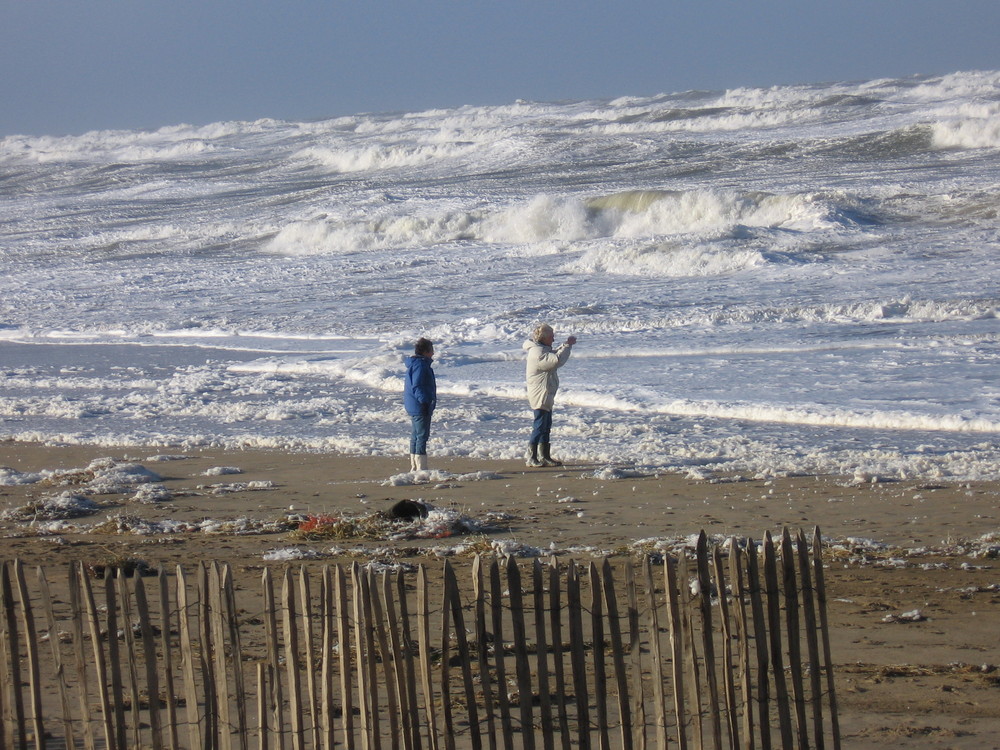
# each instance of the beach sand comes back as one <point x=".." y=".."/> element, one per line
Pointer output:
<point x="896" y="548"/>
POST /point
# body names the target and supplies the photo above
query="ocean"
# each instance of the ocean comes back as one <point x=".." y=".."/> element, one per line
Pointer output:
<point x="798" y="279"/>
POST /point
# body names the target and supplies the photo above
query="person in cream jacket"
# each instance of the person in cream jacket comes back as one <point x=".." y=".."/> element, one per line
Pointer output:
<point x="543" y="381"/>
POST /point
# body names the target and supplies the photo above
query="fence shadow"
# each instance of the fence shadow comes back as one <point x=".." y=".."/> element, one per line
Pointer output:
<point x="725" y="648"/>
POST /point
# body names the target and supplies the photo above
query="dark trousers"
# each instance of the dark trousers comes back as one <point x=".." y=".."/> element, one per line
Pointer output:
<point x="542" y="426"/>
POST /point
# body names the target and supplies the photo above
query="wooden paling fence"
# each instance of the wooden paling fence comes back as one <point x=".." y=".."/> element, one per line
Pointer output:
<point x="729" y="649"/>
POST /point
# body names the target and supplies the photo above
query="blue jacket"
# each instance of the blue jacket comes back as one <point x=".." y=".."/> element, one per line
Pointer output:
<point x="419" y="386"/>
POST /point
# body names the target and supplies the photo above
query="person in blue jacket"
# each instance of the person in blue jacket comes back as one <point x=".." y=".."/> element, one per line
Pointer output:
<point x="420" y="398"/>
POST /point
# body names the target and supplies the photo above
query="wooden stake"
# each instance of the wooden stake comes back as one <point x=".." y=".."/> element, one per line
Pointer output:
<point x="132" y="667"/>
<point x="555" y="621"/>
<point x="424" y="635"/>
<point x="101" y="668"/>
<point x="597" y="654"/>
<point x="191" y="711"/>
<point x="149" y="656"/>
<point x="366" y="650"/>
<point x="76" y="618"/>
<point x="387" y="655"/>
<point x="312" y="697"/>
<point x="292" y="660"/>
<point x="7" y="684"/>
<point x="114" y="658"/>
<point x="791" y="598"/>
<point x="231" y="619"/>
<point x="542" y="656"/>
<point x="525" y="695"/>
<point x="635" y="657"/>
<point x="659" y="695"/>
<point x="217" y="610"/>
<point x="344" y="641"/>
<point x="169" y="689"/>
<point x="707" y="637"/>
<point x="409" y="670"/>
<point x="394" y="657"/>
<point x="617" y="655"/>
<point x="577" y="654"/>
<point x="690" y="650"/>
<point x="755" y="590"/>
<point x="825" y="635"/>
<point x="326" y="596"/>
<point x="263" y="740"/>
<point x="31" y="646"/>
<point x="12" y="687"/>
<point x="676" y="647"/>
<point x="448" y="726"/>
<point x="479" y="592"/>
<point x="728" y="672"/>
<point x="774" y="631"/>
<point x="503" y="698"/>
<point x="204" y="621"/>
<point x="464" y="658"/>
<point x="743" y="633"/>
<point x="812" y="641"/>
<point x="275" y="692"/>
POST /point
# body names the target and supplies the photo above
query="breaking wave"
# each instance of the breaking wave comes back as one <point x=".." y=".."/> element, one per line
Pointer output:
<point x="626" y="215"/>
<point x="974" y="126"/>
<point x="379" y="157"/>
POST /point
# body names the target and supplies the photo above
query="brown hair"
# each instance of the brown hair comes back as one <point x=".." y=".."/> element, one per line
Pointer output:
<point x="424" y="346"/>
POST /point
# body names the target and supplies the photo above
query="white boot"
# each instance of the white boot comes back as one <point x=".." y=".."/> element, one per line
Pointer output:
<point x="413" y="462"/>
<point x="421" y="461"/>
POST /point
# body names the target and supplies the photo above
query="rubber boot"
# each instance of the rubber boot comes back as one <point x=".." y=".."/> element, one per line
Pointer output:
<point x="421" y="462"/>
<point x="547" y="459"/>
<point x="413" y="462"/>
<point x="532" y="458"/>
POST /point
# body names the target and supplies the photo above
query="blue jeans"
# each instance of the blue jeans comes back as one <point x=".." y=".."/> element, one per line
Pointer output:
<point x="421" y="431"/>
<point x="542" y="427"/>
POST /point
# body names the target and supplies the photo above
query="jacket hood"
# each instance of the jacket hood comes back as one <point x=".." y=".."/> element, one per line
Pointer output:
<point x="529" y="344"/>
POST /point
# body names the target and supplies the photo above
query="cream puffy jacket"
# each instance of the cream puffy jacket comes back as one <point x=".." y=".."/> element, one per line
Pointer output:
<point x="543" y="381"/>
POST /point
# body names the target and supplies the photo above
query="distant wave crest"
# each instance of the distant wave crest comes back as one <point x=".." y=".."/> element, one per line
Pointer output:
<point x="974" y="126"/>
<point x="129" y="146"/>
<point x="370" y="158"/>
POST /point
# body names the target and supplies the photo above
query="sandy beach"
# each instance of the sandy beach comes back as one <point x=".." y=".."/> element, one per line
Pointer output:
<point x="913" y="585"/>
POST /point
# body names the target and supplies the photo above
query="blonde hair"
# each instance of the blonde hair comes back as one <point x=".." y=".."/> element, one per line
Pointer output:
<point x="540" y="331"/>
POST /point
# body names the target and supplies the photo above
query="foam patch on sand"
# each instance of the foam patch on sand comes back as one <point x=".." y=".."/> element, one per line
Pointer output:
<point x="227" y="488"/>
<point x="218" y="471"/>
<point x="103" y="476"/>
<point x="111" y="477"/>
<point x="11" y="477"/>
<point x="437" y="476"/>
<point x="124" y="523"/>
<point x="288" y="554"/>
<point x="57" y="507"/>
<point x="148" y="494"/>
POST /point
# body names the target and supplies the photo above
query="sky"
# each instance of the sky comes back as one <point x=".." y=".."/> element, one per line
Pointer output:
<point x="72" y="66"/>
